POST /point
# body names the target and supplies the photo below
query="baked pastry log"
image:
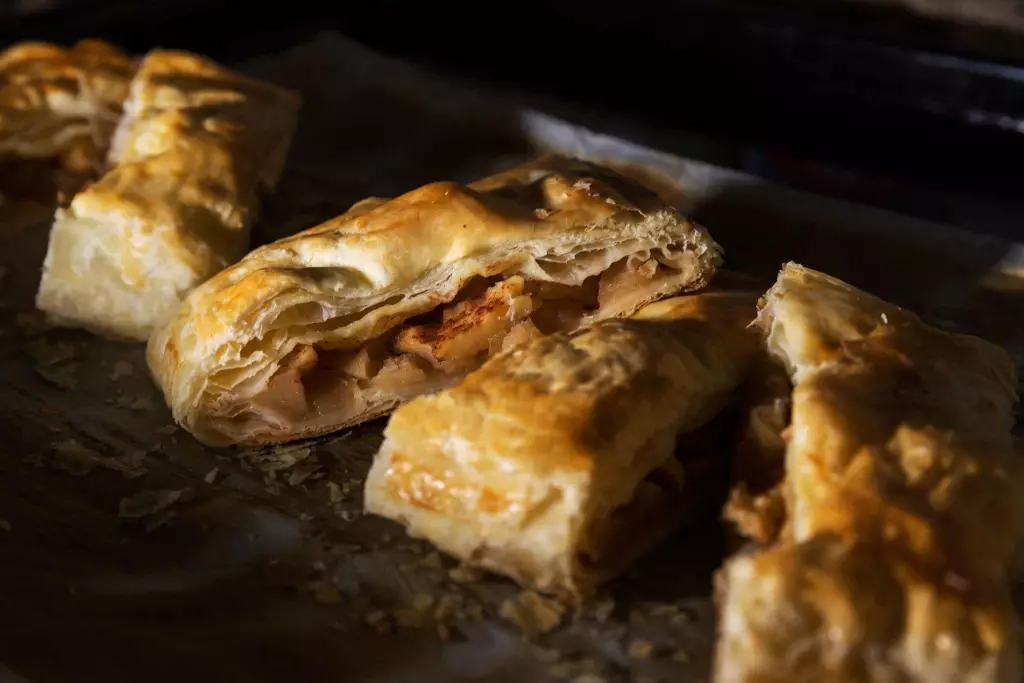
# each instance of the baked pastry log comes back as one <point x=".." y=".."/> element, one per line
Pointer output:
<point x="340" y="323"/>
<point x="196" y="145"/>
<point x="557" y="463"/>
<point x="59" y="107"/>
<point x="904" y="502"/>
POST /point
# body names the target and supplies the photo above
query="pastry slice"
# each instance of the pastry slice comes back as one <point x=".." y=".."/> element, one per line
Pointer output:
<point x="904" y="503"/>
<point x="339" y="324"/>
<point x="196" y="146"/>
<point x="561" y="461"/>
<point x="58" y="110"/>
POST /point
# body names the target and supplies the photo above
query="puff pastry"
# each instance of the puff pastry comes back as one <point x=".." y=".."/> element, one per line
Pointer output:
<point x="339" y="324"/>
<point x="196" y="145"/>
<point x="58" y="105"/>
<point x="556" y="463"/>
<point x="904" y="498"/>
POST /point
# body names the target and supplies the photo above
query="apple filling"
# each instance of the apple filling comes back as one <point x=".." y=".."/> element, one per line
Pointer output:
<point x="315" y="389"/>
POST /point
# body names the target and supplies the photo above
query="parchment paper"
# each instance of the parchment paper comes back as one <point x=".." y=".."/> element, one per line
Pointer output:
<point x="128" y="552"/>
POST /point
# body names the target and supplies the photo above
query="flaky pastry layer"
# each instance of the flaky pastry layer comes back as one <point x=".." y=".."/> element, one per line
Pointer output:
<point x="904" y="502"/>
<point x="62" y="102"/>
<point x="196" y="146"/>
<point x="556" y="463"/>
<point x="341" y="323"/>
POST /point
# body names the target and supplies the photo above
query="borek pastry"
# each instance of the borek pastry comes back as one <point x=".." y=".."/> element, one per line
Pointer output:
<point x="196" y="146"/>
<point x="561" y="461"/>
<point x="339" y="324"/>
<point x="58" y="111"/>
<point x="904" y="503"/>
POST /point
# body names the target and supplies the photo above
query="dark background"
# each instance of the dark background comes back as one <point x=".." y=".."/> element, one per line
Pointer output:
<point x="915" y="111"/>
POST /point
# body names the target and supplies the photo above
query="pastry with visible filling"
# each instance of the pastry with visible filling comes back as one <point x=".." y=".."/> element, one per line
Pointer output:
<point x="59" y="107"/>
<point x="904" y="503"/>
<point x="195" y="148"/>
<point x="559" y="462"/>
<point x="339" y="324"/>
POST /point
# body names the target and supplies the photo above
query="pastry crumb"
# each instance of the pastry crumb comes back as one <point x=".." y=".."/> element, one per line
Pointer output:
<point x="326" y="593"/>
<point x="61" y="376"/>
<point x="302" y="471"/>
<point x="78" y="459"/>
<point x="47" y="353"/>
<point x="433" y="560"/>
<point x="32" y="324"/>
<point x="466" y="574"/>
<point x="533" y="614"/>
<point x="602" y="609"/>
<point x="5" y="525"/>
<point x="334" y="493"/>
<point x="417" y="615"/>
<point x="683" y="617"/>
<point x="681" y="656"/>
<point x="641" y="649"/>
<point x="142" y="403"/>
<point x="211" y="476"/>
<point x="379" y="621"/>
<point x="121" y="369"/>
<point x="149" y="503"/>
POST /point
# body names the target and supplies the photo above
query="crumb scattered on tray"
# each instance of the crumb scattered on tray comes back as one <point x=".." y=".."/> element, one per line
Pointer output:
<point x="121" y="369"/>
<point x="326" y="593"/>
<point x="433" y="560"/>
<point x="641" y="649"/>
<point x="142" y="403"/>
<point x="466" y="574"/>
<point x="380" y="621"/>
<point x="149" y="503"/>
<point x="32" y="324"/>
<point x="681" y="656"/>
<point x="74" y="457"/>
<point x="304" y="470"/>
<point x="589" y="678"/>
<point x="5" y="525"/>
<point x="46" y="353"/>
<point x="602" y="608"/>
<point x="532" y="613"/>
<point x="418" y="614"/>
<point x="277" y="458"/>
<point x="211" y="476"/>
<point x="61" y="376"/>
<point x="334" y="493"/>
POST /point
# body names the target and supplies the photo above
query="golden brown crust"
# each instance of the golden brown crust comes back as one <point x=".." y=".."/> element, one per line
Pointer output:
<point x="904" y="502"/>
<point x="62" y="102"/>
<point x="519" y="468"/>
<point x="196" y="145"/>
<point x="349" y="281"/>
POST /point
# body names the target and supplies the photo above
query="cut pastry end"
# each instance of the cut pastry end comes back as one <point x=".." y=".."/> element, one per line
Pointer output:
<point x="127" y="300"/>
<point x="398" y="298"/>
<point x="562" y="461"/>
<point x="195" y="147"/>
<point x="563" y="534"/>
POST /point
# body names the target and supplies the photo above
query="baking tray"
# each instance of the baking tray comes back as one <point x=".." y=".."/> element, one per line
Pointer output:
<point x="129" y="552"/>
